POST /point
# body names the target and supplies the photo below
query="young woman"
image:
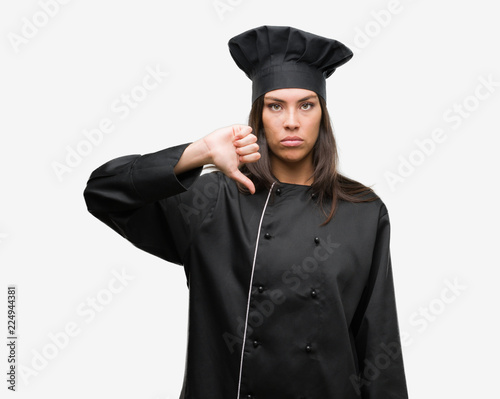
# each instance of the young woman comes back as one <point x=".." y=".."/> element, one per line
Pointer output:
<point x="287" y="261"/>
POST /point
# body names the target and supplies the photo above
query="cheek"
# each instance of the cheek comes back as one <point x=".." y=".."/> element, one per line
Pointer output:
<point x="315" y="124"/>
<point x="271" y="126"/>
<point x="313" y="127"/>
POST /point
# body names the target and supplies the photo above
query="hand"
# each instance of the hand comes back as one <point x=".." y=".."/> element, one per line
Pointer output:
<point x="229" y="148"/>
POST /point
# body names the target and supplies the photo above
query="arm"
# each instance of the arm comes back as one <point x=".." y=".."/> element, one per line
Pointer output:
<point x="136" y="196"/>
<point x="194" y="156"/>
<point x="147" y="199"/>
<point x="375" y="327"/>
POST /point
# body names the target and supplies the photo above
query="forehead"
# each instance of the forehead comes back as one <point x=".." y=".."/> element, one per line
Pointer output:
<point x="290" y="94"/>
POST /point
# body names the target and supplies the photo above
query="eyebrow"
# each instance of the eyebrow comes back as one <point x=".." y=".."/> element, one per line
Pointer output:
<point x="282" y="101"/>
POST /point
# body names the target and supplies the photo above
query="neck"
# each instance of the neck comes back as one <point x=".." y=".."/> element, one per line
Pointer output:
<point x="293" y="173"/>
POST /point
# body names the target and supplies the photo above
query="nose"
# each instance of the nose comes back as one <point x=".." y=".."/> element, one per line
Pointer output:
<point x="291" y="120"/>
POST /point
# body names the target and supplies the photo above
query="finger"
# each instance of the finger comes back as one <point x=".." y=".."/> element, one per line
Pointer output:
<point x="248" y="149"/>
<point x="240" y="131"/>
<point x="240" y="177"/>
<point x="248" y="139"/>
<point x="254" y="157"/>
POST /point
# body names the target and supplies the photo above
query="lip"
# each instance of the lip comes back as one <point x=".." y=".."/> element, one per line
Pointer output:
<point x="292" y="141"/>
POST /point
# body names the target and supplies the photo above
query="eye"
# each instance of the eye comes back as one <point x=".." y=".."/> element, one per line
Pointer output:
<point x="274" y="107"/>
<point x="307" y="106"/>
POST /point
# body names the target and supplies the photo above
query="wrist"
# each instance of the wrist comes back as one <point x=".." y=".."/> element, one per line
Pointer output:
<point x="195" y="155"/>
<point x="202" y="151"/>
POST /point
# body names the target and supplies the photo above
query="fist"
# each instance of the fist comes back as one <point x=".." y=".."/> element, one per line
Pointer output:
<point x="230" y="147"/>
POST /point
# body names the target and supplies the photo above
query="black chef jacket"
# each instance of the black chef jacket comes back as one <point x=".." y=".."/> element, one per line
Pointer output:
<point x="279" y="306"/>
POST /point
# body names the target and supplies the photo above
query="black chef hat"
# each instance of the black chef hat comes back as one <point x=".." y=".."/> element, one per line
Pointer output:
<point x="276" y="57"/>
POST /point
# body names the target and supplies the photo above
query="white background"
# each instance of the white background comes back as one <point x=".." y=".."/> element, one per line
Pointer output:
<point x="412" y="65"/>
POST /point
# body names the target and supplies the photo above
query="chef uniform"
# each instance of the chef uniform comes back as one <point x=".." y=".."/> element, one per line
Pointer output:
<point x="280" y="307"/>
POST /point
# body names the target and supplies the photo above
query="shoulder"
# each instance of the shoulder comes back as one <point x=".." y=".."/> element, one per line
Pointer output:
<point x="371" y="209"/>
<point x="360" y="196"/>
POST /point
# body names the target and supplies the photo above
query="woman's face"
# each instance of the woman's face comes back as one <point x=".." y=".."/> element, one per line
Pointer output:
<point x="291" y="119"/>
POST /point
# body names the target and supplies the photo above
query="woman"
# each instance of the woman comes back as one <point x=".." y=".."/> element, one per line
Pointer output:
<point x="287" y="261"/>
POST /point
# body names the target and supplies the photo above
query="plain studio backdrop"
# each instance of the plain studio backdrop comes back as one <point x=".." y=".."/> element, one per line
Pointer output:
<point x="415" y="113"/>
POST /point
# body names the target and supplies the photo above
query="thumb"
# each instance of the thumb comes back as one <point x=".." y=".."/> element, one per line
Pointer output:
<point x="240" y="131"/>
<point x="240" y="177"/>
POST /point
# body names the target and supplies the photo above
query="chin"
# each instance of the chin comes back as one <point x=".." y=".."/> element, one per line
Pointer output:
<point x="291" y="155"/>
<point x="292" y="159"/>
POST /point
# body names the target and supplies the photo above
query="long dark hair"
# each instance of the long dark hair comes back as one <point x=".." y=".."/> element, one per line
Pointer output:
<point x="329" y="185"/>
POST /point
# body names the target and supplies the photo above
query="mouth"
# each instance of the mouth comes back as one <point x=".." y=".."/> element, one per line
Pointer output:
<point x="292" y="141"/>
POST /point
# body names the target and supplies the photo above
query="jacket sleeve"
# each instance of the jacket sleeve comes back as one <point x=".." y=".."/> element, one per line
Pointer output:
<point x="142" y="199"/>
<point x="376" y="331"/>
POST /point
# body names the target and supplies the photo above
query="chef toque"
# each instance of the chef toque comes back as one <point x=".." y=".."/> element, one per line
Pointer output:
<point x="276" y="57"/>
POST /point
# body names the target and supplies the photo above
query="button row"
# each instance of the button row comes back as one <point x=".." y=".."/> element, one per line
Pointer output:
<point x="314" y="293"/>
<point x="308" y="347"/>
<point x="313" y="195"/>
<point x="268" y="236"/>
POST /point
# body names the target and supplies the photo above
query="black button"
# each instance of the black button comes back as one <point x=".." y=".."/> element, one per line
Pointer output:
<point x="316" y="240"/>
<point x="267" y="236"/>
<point x="308" y="348"/>
<point x="249" y="397"/>
<point x="314" y="195"/>
<point x="278" y="191"/>
<point x="256" y="343"/>
<point x="261" y="289"/>
<point x="314" y="293"/>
